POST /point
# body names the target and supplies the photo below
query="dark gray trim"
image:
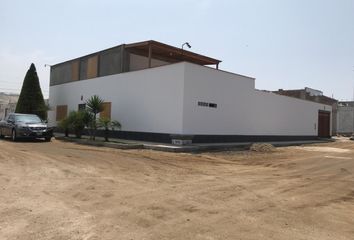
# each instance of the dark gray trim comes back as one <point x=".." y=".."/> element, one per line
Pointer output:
<point x="166" y="137"/>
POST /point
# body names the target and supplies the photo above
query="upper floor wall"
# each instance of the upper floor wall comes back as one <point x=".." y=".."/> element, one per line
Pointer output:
<point x="105" y="63"/>
<point x="123" y="58"/>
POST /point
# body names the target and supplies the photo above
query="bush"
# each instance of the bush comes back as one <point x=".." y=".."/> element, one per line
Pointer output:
<point x="65" y="125"/>
<point x="77" y="121"/>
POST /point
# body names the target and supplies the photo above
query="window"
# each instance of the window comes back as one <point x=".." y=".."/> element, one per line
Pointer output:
<point x="61" y="73"/>
<point x="62" y="111"/>
<point x="81" y="107"/>
<point x="83" y="68"/>
<point x="106" y="113"/>
<point x="28" y="118"/>
<point x="203" y="104"/>
<point x="110" y="62"/>
<point x="206" y="104"/>
<point x="213" y="105"/>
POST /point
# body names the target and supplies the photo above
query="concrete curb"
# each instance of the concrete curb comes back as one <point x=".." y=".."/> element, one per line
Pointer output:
<point x="225" y="146"/>
<point x="101" y="144"/>
<point x="239" y="146"/>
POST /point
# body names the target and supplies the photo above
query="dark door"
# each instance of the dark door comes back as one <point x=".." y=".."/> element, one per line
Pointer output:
<point x="324" y="120"/>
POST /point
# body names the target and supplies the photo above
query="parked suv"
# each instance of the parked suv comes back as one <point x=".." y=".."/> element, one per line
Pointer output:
<point x="18" y="125"/>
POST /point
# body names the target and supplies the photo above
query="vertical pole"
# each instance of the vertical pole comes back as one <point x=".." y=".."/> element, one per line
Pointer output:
<point x="217" y="66"/>
<point x="150" y="53"/>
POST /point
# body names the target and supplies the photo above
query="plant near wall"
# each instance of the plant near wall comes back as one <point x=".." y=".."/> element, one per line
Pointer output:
<point x="31" y="99"/>
<point x="94" y="106"/>
<point x="106" y="124"/>
<point x="77" y="120"/>
<point x="65" y="125"/>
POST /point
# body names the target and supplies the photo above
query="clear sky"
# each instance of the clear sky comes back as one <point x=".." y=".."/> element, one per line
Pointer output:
<point x="287" y="44"/>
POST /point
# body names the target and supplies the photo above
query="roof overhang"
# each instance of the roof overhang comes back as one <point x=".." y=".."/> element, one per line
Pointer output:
<point x="169" y="53"/>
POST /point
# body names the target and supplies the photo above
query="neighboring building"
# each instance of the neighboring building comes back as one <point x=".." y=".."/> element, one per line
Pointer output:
<point x="345" y="118"/>
<point x="7" y="104"/>
<point x="159" y="92"/>
<point x="314" y="96"/>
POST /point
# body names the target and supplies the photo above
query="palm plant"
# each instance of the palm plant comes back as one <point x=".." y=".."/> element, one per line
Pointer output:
<point x="94" y="105"/>
<point x="106" y="123"/>
<point x="115" y="124"/>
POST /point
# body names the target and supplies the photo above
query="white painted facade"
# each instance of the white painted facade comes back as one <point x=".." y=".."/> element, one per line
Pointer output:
<point x="345" y="120"/>
<point x="165" y="100"/>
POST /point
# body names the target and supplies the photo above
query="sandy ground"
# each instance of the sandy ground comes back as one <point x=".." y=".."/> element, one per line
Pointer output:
<point x="66" y="191"/>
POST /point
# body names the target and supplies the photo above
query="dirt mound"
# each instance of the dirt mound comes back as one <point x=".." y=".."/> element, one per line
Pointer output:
<point x="262" y="147"/>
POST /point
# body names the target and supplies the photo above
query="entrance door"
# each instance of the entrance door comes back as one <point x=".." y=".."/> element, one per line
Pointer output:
<point x="324" y="120"/>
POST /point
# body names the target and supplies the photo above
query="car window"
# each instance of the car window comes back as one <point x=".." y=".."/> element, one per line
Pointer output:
<point x="28" y="119"/>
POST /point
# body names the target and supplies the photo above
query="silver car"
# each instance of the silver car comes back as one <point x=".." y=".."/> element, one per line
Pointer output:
<point x="18" y="125"/>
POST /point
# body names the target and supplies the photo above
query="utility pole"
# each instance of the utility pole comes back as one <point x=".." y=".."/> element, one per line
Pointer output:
<point x="352" y="105"/>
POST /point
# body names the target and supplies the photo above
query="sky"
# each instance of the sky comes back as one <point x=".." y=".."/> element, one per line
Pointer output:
<point x="288" y="44"/>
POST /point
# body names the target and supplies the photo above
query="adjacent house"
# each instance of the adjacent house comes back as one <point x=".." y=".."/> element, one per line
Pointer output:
<point x="7" y="104"/>
<point x="345" y="118"/>
<point x="162" y="93"/>
<point x="314" y="95"/>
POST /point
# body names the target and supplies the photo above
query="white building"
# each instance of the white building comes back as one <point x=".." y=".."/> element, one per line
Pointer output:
<point x="8" y="103"/>
<point x="345" y="118"/>
<point x="156" y="90"/>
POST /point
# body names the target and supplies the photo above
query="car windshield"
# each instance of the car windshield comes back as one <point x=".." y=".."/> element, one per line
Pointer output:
<point x="28" y="119"/>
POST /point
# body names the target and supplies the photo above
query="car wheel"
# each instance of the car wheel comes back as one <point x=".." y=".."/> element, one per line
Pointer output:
<point x="48" y="139"/>
<point x="13" y="135"/>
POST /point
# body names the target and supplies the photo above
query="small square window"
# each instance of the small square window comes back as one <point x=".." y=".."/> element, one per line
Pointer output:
<point x="213" y="105"/>
<point x="82" y="107"/>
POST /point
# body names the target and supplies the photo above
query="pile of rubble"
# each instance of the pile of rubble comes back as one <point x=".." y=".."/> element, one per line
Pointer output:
<point x="262" y="147"/>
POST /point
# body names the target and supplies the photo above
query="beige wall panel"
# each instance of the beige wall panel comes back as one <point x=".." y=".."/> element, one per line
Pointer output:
<point x="107" y="110"/>
<point x="92" y="64"/>
<point x="75" y="70"/>
<point x="62" y="111"/>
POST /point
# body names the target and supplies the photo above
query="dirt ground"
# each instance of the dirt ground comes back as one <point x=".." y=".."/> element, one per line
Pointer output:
<point x="66" y="191"/>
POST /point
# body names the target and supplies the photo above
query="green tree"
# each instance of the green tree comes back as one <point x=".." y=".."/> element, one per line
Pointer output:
<point x="94" y="105"/>
<point x="31" y="98"/>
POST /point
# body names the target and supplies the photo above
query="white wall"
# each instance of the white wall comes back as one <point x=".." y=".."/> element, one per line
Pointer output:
<point x="148" y="101"/>
<point x="165" y="100"/>
<point x="345" y="119"/>
<point x="242" y="110"/>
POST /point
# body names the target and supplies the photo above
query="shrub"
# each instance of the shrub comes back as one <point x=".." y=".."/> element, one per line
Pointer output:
<point x="78" y="120"/>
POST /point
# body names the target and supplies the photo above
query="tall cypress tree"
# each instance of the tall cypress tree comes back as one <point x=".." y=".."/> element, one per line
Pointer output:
<point x="31" y="98"/>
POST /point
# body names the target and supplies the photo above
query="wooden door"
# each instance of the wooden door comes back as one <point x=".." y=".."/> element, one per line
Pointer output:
<point x="324" y="120"/>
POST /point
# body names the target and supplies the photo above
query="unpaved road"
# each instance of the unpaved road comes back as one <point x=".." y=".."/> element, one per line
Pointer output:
<point x="66" y="191"/>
